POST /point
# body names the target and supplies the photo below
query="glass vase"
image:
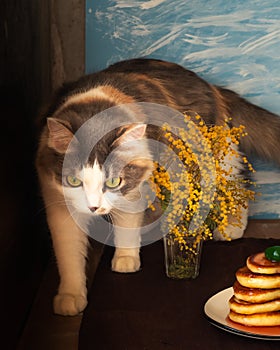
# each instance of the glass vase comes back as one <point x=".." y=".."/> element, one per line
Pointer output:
<point x="182" y="263"/>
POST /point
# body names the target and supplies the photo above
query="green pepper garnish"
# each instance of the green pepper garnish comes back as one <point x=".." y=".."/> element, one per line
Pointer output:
<point x="273" y="253"/>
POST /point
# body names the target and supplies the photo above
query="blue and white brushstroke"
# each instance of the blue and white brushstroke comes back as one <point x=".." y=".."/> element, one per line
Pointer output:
<point x="235" y="44"/>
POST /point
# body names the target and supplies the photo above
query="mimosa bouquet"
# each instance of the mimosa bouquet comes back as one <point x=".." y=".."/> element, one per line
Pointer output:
<point x="204" y="193"/>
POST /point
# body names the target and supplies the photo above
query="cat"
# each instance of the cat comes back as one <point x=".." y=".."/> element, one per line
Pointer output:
<point x="124" y="83"/>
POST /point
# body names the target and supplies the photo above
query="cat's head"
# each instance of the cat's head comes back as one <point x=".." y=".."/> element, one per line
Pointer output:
<point x="110" y="176"/>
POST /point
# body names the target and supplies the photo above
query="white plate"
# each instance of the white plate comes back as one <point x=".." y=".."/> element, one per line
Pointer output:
<point x="216" y="310"/>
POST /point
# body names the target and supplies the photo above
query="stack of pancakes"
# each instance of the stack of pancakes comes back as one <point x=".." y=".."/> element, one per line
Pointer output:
<point x="256" y="299"/>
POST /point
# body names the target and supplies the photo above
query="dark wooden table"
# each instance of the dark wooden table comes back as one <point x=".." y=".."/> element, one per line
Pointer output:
<point x="147" y="310"/>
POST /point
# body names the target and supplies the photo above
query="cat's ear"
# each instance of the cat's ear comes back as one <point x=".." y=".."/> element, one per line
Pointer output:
<point x="136" y="132"/>
<point x="60" y="135"/>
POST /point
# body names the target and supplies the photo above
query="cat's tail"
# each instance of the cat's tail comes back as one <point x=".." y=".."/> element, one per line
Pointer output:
<point x="262" y="126"/>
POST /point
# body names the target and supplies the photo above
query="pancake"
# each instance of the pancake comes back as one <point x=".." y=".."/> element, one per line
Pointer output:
<point x="256" y="299"/>
<point x="255" y="295"/>
<point x="243" y="307"/>
<point x="250" y="279"/>
<point x="258" y="319"/>
<point x="258" y="263"/>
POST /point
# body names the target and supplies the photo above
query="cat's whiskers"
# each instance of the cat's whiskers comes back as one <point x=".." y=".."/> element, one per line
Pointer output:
<point x="116" y="214"/>
<point x="59" y="203"/>
<point x="69" y="217"/>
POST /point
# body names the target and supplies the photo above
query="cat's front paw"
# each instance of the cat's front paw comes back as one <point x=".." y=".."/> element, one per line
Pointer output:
<point x="69" y="304"/>
<point x="125" y="264"/>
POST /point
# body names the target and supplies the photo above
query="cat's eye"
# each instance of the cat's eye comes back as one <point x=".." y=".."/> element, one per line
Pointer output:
<point x="113" y="182"/>
<point x="73" y="181"/>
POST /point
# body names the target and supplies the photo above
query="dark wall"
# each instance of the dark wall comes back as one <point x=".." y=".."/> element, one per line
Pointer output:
<point x="24" y="83"/>
<point x="41" y="46"/>
<point x="24" y="50"/>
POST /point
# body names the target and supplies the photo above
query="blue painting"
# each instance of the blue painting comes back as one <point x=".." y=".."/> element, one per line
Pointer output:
<point x="235" y="44"/>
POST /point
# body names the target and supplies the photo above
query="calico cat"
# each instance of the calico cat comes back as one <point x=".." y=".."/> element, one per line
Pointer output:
<point x="126" y="82"/>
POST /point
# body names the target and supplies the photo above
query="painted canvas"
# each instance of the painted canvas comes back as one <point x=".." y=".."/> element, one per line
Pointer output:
<point x="235" y="44"/>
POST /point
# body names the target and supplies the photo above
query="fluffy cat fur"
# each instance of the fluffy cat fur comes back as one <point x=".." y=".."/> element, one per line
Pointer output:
<point x="137" y="80"/>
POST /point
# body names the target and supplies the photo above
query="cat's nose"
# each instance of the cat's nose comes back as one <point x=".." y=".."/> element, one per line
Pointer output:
<point x="93" y="209"/>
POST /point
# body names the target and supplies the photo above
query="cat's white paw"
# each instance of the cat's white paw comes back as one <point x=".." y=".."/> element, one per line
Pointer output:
<point x="125" y="264"/>
<point x="69" y="304"/>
